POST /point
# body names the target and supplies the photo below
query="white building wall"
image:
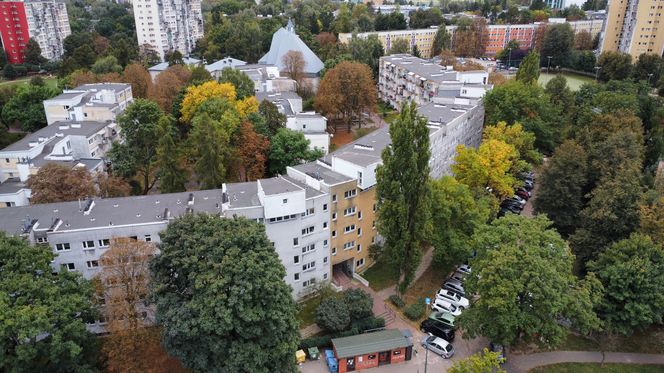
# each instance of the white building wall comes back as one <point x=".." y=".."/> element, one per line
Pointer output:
<point x="318" y="141"/>
<point x="48" y="24"/>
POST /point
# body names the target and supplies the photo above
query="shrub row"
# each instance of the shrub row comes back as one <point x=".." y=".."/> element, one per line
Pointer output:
<point x="416" y="310"/>
<point x="397" y="301"/>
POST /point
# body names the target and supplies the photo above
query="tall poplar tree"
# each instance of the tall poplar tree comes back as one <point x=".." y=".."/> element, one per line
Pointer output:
<point x="172" y="176"/>
<point x="529" y="69"/>
<point x="403" y="194"/>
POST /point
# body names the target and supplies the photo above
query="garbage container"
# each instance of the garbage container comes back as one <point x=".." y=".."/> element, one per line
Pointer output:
<point x="314" y="354"/>
<point x="300" y="356"/>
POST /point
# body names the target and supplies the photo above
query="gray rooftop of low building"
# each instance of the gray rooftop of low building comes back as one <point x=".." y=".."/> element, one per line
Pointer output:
<point x="103" y="87"/>
<point x="362" y="344"/>
<point x="322" y="173"/>
<point x="67" y="95"/>
<point x="243" y="195"/>
<point x="12" y="185"/>
<point x="278" y="185"/>
<point x="365" y="150"/>
<point x="442" y="113"/>
<point x="274" y="96"/>
<point x="422" y="68"/>
<point x="86" y="128"/>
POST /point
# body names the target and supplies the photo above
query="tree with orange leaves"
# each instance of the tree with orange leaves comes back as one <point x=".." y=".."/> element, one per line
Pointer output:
<point x="252" y="153"/>
<point x="133" y="344"/>
<point x="139" y="78"/>
<point x="346" y="90"/>
<point x="166" y="87"/>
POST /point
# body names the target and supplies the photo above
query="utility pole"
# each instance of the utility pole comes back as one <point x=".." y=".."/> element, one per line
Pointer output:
<point x="426" y="358"/>
<point x="548" y="66"/>
<point x="597" y="69"/>
<point x="509" y="58"/>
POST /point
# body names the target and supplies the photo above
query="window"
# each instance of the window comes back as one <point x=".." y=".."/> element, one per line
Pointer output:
<point x="372" y="357"/>
<point x="308" y="248"/>
<point x="92" y="263"/>
<point x="7" y="160"/>
<point x="359" y="215"/>
<point x="325" y="260"/>
<point x="104" y="242"/>
<point x="334" y="198"/>
<point x="88" y="244"/>
<point x="296" y="241"/>
<point x="324" y="243"/>
<point x="334" y="234"/>
<point x="282" y="218"/>
<point x="324" y="225"/>
<point x="349" y="211"/>
<point x="285" y="200"/>
<point x="350" y="193"/>
<point x="359" y="232"/>
<point x="42" y="240"/>
<point x="325" y="207"/>
<point x="359" y="263"/>
<point x="334" y="251"/>
<point x="310" y="281"/>
<point x="308" y="212"/>
<point x="296" y="259"/>
<point x="62" y="247"/>
<point x="373" y="224"/>
<point x="296" y="277"/>
<point x="349" y="228"/>
<point x="349" y="245"/>
<point x="69" y="266"/>
<point x="135" y="238"/>
<point x="148" y="238"/>
<point x="359" y="248"/>
<point x="90" y="141"/>
<point x="334" y="216"/>
<point x="324" y="276"/>
<point x="374" y="207"/>
<point x="308" y="230"/>
<point x="308" y="266"/>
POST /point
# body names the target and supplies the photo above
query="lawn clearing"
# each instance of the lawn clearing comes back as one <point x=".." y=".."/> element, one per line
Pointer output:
<point x="380" y="276"/>
<point x="50" y="82"/>
<point x="574" y="81"/>
<point x="596" y="368"/>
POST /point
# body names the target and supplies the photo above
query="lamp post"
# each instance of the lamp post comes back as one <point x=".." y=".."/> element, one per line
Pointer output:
<point x="548" y="66"/>
<point x="649" y="76"/>
<point x="597" y="69"/>
<point x="509" y="58"/>
<point x="426" y="358"/>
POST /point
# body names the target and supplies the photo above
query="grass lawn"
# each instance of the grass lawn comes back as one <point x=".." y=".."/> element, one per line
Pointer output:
<point x="380" y="276"/>
<point x="596" y="368"/>
<point x="385" y="111"/>
<point x="574" y="81"/>
<point x="50" y="82"/>
<point x="306" y="314"/>
<point x="428" y="284"/>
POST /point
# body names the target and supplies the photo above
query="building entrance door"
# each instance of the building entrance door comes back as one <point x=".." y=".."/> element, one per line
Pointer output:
<point x="350" y="364"/>
<point x="384" y="358"/>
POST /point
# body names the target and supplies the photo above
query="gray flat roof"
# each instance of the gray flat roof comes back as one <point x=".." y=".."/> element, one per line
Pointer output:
<point x="66" y="95"/>
<point x="86" y="128"/>
<point x="278" y="185"/>
<point x="104" y="86"/>
<point x="323" y="173"/>
<point x="443" y="113"/>
<point x="423" y="68"/>
<point x="243" y="195"/>
<point x="365" y="150"/>
<point x="12" y="185"/>
<point x="361" y="344"/>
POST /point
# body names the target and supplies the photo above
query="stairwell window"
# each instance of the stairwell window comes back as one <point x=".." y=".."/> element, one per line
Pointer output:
<point x="359" y="248"/>
<point x="359" y="263"/>
<point x="309" y="266"/>
<point x="349" y="228"/>
<point x="104" y="242"/>
<point x="88" y="244"/>
<point x="308" y="230"/>
<point x="350" y="193"/>
<point x="62" y="247"/>
<point x="92" y="263"/>
<point x="296" y="259"/>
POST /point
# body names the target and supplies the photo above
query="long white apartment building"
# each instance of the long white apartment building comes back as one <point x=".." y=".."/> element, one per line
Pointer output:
<point x="168" y="25"/>
<point x="311" y="124"/>
<point x="89" y="102"/>
<point x="295" y="216"/>
<point x="403" y="77"/>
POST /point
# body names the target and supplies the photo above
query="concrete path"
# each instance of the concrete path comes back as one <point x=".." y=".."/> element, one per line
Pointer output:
<point x="524" y="363"/>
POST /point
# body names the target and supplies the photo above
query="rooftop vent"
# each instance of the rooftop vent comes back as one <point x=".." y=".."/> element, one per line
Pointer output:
<point x="190" y="200"/>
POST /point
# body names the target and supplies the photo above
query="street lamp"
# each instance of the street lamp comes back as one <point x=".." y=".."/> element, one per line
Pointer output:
<point x="597" y="69"/>
<point x="509" y="58"/>
<point x="548" y="66"/>
<point x="426" y="358"/>
<point x="649" y="76"/>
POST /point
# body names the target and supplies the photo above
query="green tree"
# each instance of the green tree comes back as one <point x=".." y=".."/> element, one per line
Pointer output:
<point x="108" y="64"/>
<point x="525" y="285"/>
<point x="26" y="107"/>
<point x="558" y="42"/>
<point x="359" y="303"/>
<point x="367" y="51"/>
<point x="210" y="141"/>
<point x="9" y="72"/>
<point x="32" y="53"/>
<point x="138" y="154"/>
<point x="529" y="69"/>
<point x="401" y="45"/>
<point x="561" y="96"/>
<point x="289" y="148"/>
<point x="455" y="215"/>
<point x="481" y="362"/>
<point x="199" y="75"/>
<point x="274" y="120"/>
<point x="614" y="66"/>
<point x="3" y="58"/>
<point x="648" y="67"/>
<point x="232" y="311"/>
<point x="403" y="194"/>
<point x="43" y="314"/>
<point x="244" y="86"/>
<point x="333" y="315"/>
<point x="562" y="184"/>
<point x="172" y="176"/>
<point x="441" y="41"/>
<point x="632" y="272"/>
<point x="174" y="58"/>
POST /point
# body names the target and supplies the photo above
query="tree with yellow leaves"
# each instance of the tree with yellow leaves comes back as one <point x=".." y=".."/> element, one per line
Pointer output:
<point x="522" y="140"/>
<point x="196" y="95"/>
<point x="487" y="167"/>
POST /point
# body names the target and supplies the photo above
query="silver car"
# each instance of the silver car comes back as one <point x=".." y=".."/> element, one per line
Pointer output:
<point x="455" y="286"/>
<point x="438" y="346"/>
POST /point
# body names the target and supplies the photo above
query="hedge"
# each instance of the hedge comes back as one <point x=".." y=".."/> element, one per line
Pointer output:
<point x="397" y="301"/>
<point x="416" y="310"/>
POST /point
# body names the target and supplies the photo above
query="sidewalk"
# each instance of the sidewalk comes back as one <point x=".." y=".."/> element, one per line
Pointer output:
<point x="524" y="363"/>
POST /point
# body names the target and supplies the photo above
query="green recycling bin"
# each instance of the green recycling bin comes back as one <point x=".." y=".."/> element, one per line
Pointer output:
<point x="313" y="353"/>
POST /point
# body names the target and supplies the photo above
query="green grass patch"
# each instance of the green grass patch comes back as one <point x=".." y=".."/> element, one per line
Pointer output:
<point x="306" y="314"/>
<point x="50" y="82"/>
<point x="380" y="276"/>
<point x="575" y="342"/>
<point x="596" y="368"/>
<point x="648" y="341"/>
<point x="574" y="81"/>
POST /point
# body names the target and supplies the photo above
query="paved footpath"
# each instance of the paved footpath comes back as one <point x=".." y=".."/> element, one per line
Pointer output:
<point x="524" y="363"/>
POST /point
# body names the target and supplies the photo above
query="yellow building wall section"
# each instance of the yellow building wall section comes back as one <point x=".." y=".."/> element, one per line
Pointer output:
<point x="357" y="241"/>
<point x="647" y="36"/>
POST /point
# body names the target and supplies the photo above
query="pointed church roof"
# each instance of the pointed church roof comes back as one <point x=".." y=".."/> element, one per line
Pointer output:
<point x="285" y="40"/>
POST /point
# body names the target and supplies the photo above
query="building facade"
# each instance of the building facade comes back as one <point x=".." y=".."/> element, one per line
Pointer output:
<point x="45" y="21"/>
<point x="634" y="27"/>
<point x="168" y="25"/>
<point x="99" y="102"/>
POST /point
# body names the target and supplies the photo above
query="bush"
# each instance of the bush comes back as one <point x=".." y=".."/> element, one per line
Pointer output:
<point x="369" y="323"/>
<point x="359" y="303"/>
<point x="416" y="310"/>
<point x="396" y="301"/>
<point x="323" y="341"/>
<point x="332" y="315"/>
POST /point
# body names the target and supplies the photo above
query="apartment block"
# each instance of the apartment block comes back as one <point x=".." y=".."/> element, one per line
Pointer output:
<point x="45" y="21"/>
<point x="89" y="102"/>
<point x="295" y="216"/>
<point x="311" y="124"/>
<point x="168" y="25"/>
<point x="267" y="78"/>
<point x="403" y="77"/>
<point x="634" y="27"/>
<point x="423" y="38"/>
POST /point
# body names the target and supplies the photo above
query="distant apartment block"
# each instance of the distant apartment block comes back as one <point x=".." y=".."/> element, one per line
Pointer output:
<point x="45" y="21"/>
<point x="311" y="124"/>
<point x="161" y="67"/>
<point x="168" y="25"/>
<point x="267" y="78"/>
<point x="634" y="27"/>
<point x="89" y="102"/>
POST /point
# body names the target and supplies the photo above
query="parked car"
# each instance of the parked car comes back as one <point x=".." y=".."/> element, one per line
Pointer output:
<point x="438" y="346"/>
<point x="523" y="193"/>
<point x="457" y="276"/>
<point x="518" y="199"/>
<point x="465" y="268"/>
<point x="437" y="328"/>
<point x="442" y="305"/>
<point x="455" y="286"/>
<point x="495" y="347"/>
<point x="503" y="211"/>
<point x="453" y="298"/>
<point x="444" y="318"/>
<point x="513" y="208"/>
<point x="529" y="185"/>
